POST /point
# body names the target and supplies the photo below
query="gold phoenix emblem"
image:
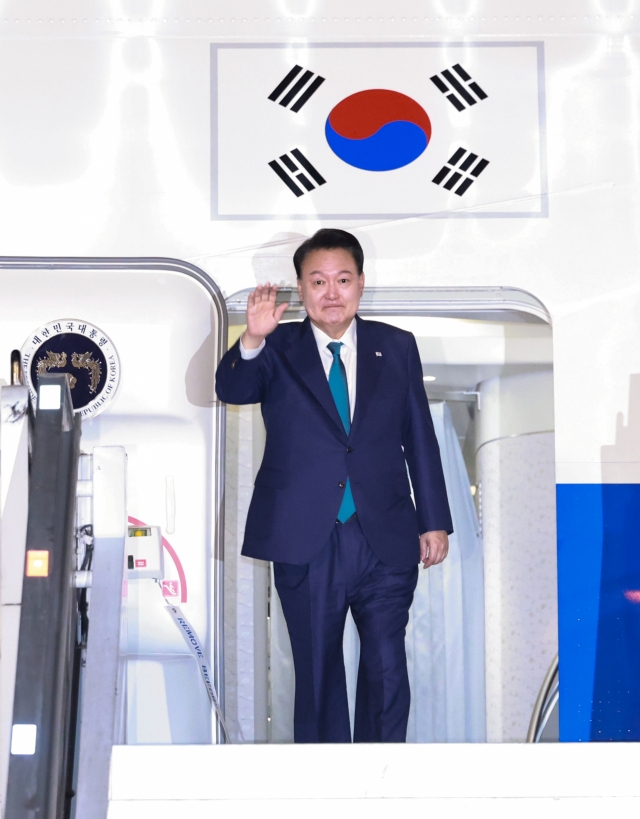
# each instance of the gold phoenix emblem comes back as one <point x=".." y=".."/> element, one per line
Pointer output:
<point x="85" y="361"/>
<point x="55" y="361"/>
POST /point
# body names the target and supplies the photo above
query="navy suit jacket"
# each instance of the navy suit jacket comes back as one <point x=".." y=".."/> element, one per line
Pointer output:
<point x="309" y="456"/>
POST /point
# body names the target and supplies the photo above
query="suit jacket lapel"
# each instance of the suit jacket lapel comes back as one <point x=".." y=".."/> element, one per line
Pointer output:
<point x="305" y="359"/>
<point x="367" y="370"/>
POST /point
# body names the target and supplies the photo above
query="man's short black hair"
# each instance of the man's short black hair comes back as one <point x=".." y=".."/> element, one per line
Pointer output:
<point x="329" y="239"/>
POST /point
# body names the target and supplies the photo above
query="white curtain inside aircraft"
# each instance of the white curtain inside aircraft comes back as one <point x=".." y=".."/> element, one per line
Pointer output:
<point x="445" y="637"/>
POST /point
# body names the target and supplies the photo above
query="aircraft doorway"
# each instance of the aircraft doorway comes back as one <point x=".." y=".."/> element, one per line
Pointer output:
<point x="483" y="628"/>
<point x="164" y="415"/>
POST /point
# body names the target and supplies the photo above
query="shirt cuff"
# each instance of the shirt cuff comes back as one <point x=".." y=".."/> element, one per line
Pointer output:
<point x="247" y="355"/>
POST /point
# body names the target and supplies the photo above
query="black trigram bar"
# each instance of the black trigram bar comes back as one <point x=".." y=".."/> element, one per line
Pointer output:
<point x="464" y="168"/>
<point x="295" y="170"/>
<point x="297" y="88"/>
<point x="458" y="87"/>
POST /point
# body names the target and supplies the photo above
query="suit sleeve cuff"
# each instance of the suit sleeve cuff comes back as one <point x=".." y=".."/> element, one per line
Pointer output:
<point x="247" y="355"/>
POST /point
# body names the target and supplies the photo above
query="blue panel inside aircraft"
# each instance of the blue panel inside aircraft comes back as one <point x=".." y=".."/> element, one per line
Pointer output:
<point x="599" y="611"/>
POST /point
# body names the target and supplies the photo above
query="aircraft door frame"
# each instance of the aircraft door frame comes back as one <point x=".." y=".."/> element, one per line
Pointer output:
<point x="155" y="264"/>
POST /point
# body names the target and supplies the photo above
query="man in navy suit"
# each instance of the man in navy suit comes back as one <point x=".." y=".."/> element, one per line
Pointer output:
<point x="346" y="412"/>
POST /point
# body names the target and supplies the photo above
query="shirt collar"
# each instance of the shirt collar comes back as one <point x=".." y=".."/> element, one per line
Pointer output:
<point x="349" y="339"/>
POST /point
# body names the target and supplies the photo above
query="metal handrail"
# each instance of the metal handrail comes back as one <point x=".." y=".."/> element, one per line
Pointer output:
<point x="45" y="700"/>
<point x="545" y="702"/>
<point x="551" y="703"/>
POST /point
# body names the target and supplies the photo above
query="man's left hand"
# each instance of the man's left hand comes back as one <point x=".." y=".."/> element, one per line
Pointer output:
<point x="434" y="547"/>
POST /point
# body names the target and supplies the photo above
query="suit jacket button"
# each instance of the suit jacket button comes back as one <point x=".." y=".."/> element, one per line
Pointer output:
<point x="349" y="449"/>
<point x="342" y="484"/>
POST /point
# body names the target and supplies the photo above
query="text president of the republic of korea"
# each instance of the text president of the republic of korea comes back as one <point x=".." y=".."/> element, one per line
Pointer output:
<point x="345" y="412"/>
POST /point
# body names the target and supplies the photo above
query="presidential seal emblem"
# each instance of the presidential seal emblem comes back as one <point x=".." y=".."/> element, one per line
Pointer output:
<point x="83" y="351"/>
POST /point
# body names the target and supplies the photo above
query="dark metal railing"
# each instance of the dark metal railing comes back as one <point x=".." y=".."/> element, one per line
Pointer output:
<point x="44" y="710"/>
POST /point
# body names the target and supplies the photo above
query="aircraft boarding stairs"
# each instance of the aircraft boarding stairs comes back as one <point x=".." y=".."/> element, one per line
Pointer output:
<point x="61" y="666"/>
<point x="60" y="687"/>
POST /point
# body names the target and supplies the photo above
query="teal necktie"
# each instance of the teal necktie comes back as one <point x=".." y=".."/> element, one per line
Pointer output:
<point x="340" y="392"/>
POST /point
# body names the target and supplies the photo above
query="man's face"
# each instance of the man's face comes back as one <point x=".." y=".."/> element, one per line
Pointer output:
<point x="330" y="289"/>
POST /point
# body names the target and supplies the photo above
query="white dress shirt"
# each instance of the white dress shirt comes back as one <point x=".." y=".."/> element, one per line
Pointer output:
<point x="348" y="355"/>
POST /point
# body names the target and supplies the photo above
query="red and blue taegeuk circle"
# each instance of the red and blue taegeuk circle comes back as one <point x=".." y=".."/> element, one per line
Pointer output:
<point x="378" y="130"/>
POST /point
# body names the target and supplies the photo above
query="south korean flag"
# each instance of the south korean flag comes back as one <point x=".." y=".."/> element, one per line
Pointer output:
<point x="378" y="131"/>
